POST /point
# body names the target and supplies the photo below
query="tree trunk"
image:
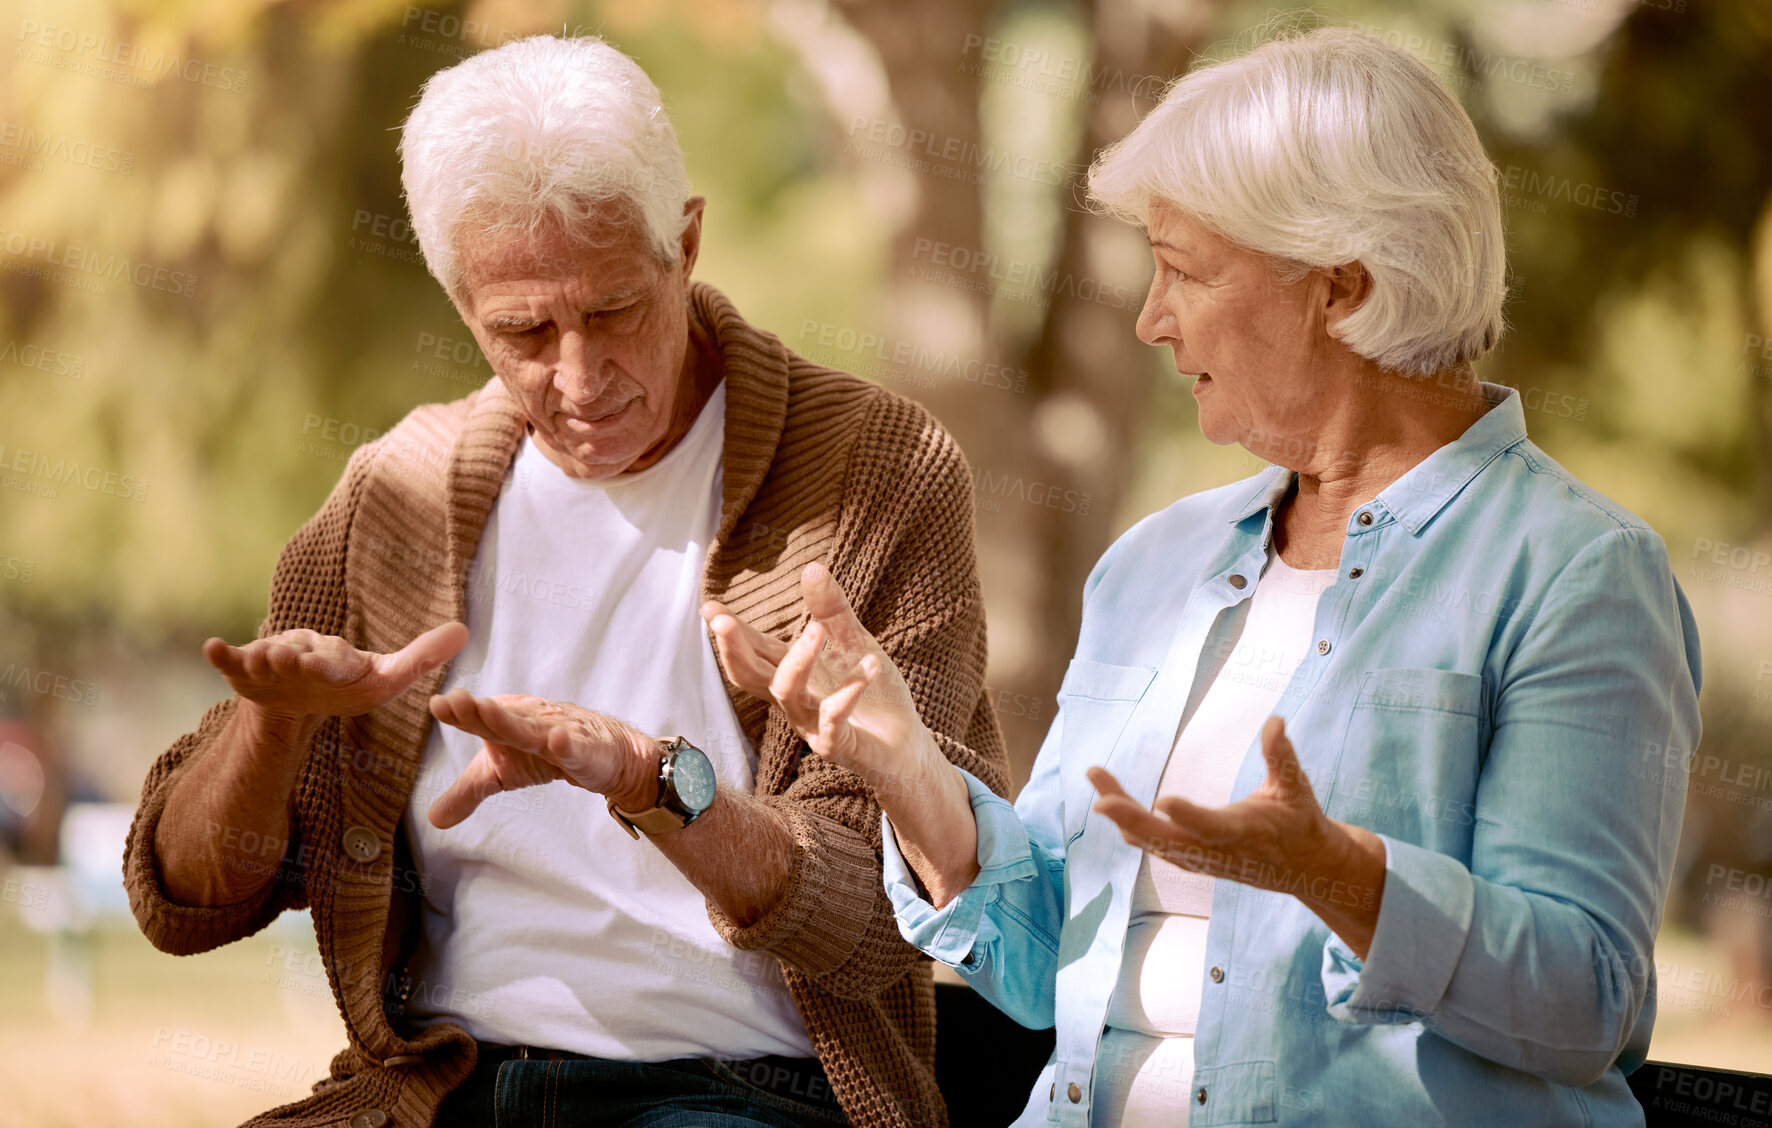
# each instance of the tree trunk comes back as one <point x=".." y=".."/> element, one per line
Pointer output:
<point x="1051" y="463"/>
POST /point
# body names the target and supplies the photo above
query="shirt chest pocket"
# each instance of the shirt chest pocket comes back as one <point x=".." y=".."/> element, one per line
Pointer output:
<point x="1411" y="756"/>
<point x="1096" y="701"/>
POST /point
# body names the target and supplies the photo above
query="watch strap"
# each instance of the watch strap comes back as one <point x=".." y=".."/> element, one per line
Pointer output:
<point x="667" y="815"/>
<point x="656" y="821"/>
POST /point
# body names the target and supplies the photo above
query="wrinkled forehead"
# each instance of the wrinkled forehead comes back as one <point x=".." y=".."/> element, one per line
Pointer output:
<point x="604" y="251"/>
<point x="1186" y="234"/>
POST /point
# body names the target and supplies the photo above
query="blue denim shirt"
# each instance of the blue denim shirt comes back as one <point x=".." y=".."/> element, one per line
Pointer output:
<point x="1504" y="689"/>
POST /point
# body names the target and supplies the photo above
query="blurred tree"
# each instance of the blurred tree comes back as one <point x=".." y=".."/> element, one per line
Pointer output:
<point x="1087" y="375"/>
<point x="1665" y="130"/>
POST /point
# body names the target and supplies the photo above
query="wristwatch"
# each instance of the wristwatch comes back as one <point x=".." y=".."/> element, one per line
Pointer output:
<point x="685" y="791"/>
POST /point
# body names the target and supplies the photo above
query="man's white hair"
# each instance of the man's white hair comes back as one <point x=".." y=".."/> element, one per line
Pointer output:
<point x="1328" y="148"/>
<point x="541" y="129"/>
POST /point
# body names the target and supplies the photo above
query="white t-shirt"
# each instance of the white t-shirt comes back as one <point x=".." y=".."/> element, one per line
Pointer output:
<point x="544" y="923"/>
<point x="1145" y="1070"/>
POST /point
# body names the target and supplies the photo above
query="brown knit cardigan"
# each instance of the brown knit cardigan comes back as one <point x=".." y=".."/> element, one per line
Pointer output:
<point x="818" y="465"/>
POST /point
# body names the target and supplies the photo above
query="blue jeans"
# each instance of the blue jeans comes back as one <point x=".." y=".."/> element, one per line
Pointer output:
<point x="691" y="1093"/>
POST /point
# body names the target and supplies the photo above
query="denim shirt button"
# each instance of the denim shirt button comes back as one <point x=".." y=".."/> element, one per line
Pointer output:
<point x="1201" y="1095"/>
<point x="1238" y="582"/>
<point x="1074" y="1093"/>
<point x="1355" y="573"/>
<point x="1322" y="646"/>
<point x="1365" y="520"/>
<point x="1217" y="974"/>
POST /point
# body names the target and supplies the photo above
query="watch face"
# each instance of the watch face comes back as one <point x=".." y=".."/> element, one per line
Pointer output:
<point x="693" y="777"/>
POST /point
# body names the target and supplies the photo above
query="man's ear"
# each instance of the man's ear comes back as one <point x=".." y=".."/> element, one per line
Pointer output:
<point x="1349" y="286"/>
<point x="690" y="244"/>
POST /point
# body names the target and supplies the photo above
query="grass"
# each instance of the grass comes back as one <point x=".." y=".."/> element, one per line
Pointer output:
<point x="168" y="1041"/>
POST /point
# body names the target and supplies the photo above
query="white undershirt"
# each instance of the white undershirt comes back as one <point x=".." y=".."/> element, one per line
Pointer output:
<point x="544" y="923"/>
<point x="1145" y="1069"/>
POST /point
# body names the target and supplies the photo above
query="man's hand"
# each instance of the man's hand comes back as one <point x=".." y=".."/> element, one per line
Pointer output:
<point x="835" y="684"/>
<point x="1277" y="838"/>
<point x="287" y="684"/>
<point x="526" y="741"/>
<point x="297" y="675"/>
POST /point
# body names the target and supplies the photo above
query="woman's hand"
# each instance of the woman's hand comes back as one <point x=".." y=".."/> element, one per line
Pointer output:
<point x="837" y="687"/>
<point x="526" y="741"/>
<point x="847" y="700"/>
<point x="1277" y="838"/>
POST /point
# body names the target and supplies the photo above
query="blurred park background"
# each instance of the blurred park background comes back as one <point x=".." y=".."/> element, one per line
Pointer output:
<point x="209" y="295"/>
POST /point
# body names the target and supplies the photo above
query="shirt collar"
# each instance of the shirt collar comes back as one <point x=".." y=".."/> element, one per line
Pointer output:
<point x="1419" y="495"/>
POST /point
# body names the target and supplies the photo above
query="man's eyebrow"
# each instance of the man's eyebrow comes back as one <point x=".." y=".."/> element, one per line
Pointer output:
<point x="1168" y="246"/>
<point x="620" y="296"/>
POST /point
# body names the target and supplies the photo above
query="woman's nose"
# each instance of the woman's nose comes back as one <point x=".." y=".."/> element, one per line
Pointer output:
<point x="1151" y="328"/>
<point x="1150" y="318"/>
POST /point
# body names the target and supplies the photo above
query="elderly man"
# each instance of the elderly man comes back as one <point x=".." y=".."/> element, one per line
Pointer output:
<point x="693" y="929"/>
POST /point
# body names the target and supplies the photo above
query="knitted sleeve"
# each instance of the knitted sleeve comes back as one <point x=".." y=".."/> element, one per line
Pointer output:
<point x="307" y="590"/>
<point x="904" y="553"/>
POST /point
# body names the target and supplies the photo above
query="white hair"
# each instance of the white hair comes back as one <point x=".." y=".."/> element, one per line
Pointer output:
<point x="1328" y="148"/>
<point x="541" y="129"/>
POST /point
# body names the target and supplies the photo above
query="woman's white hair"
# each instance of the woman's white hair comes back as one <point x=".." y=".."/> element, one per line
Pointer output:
<point x="1328" y="148"/>
<point x="568" y="131"/>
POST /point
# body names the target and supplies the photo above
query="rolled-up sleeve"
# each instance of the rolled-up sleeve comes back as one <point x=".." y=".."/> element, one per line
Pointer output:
<point x="1001" y="933"/>
<point x="1422" y="928"/>
<point x="951" y="933"/>
<point x="1538" y="955"/>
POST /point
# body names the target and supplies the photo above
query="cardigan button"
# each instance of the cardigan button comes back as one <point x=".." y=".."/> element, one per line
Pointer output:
<point x="362" y="844"/>
<point x="369" y="1118"/>
<point x="1074" y="1093"/>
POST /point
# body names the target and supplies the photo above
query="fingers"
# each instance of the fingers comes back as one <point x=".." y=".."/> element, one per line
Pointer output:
<point x="718" y="616"/>
<point x="1285" y="774"/>
<point x="1206" y="824"/>
<point x="423" y="654"/>
<point x="1115" y="805"/>
<point x="488" y="719"/>
<point x="769" y="649"/>
<point x="1138" y="825"/>
<point x="478" y="782"/>
<point x="284" y="662"/>
<point x="1171" y="825"/>
<point x="793" y="676"/>
<point x="825" y="600"/>
<point x="749" y="656"/>
<point x="1104" y="782"/>
<point x="835" y="738"/>
<point x="223" y="657"/>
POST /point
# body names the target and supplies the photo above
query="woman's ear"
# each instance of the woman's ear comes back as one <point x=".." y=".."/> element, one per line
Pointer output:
<point x="1349" y="284"/>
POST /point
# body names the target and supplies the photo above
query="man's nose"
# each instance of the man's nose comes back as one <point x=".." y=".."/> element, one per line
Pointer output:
<point x="578" y="373"/>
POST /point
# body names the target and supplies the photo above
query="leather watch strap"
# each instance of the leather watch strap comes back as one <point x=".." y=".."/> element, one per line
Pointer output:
<point x="656" y="821"/>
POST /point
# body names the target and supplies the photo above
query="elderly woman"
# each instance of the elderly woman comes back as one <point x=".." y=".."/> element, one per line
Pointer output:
<point x="687" y="924"/>
<point x="1400" y="701"/>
